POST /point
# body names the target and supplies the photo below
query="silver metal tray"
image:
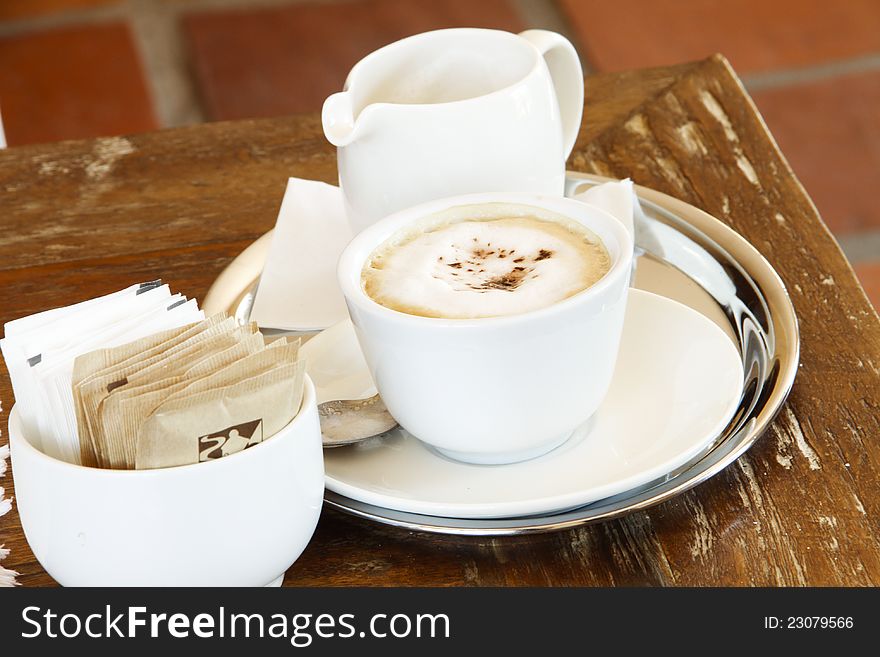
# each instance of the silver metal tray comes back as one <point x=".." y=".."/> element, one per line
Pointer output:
<point x="682" y="253"/>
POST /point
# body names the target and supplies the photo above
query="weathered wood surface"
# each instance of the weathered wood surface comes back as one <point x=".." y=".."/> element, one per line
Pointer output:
<point x="802" y="507"/>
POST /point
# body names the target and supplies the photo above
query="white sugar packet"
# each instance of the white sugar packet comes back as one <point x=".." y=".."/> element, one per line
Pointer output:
<point x="40" y="351"/>
<point x="298" y="290"/>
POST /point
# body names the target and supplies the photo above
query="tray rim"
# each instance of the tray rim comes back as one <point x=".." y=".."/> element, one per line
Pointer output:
<point x="781" y="315"/>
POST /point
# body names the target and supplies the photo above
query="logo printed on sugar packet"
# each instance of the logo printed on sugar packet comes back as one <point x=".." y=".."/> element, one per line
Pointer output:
<point x="230" y="440"/>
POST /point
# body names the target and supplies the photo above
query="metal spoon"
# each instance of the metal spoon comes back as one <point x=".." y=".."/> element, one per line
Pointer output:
<point x="343" y="421"/>
<point x="348" y="421"/>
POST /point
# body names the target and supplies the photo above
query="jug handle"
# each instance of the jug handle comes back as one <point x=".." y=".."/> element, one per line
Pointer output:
<point x="568" y="79"/>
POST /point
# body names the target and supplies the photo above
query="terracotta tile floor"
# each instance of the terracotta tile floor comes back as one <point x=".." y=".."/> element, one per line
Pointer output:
<point x="303" y="52"/>
<point x="830" y="132"/>
<point x="869" y="274"/>
<point x="72" y="82"/>
<point x="16" y="9"/>
<point x="81" y="68"/>
<point x="755" y="35"/>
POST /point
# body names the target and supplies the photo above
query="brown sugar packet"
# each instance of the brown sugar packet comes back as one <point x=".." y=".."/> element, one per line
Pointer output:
<point x="182" y="357"/>
<point x="156" y="368"/>
<point x="86" y="365"/>
<point x="124" y="409"/>
<point x="221" y="421"/>
<point x="161" y="365"/>
<point x="101" y="360"/>
<point x="133" y="405"/>
<point x="87" y="385"/>
<point x="275" y="355"/>
<point x="126" y="357"/>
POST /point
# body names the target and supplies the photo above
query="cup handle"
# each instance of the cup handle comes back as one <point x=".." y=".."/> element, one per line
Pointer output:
<point x="568" y="79"/>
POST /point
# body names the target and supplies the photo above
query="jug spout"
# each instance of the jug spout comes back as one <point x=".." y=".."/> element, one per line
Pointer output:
<point x="337" y="116"/>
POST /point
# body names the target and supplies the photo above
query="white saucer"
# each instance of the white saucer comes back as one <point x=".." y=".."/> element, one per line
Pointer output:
<point x="677" y="384"/>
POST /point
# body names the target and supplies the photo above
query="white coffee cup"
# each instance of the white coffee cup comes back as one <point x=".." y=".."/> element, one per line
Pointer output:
<point x="241" y="520"/>
<point x="453" y="112"/>
<point x="498" y="389"/>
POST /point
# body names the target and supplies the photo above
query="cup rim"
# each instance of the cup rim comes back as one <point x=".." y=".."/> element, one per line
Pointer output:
<point x="356" y="252"/>
<point x="19" y="442"/>
<point x="394" y="45"/>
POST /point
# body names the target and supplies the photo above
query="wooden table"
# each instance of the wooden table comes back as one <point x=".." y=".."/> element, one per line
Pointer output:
<point x="801" y="508"/>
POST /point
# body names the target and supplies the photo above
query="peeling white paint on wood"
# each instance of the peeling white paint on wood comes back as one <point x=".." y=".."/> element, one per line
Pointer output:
<point x="498" y="547"/>
<point x="783" y="447"/>
<point x="638" y="125"/>
<point x="690" y="139"/>
<point x="790" y="424"/>
<point x="754" y="494"/>
<point x="581" y="540"/>
<point x="7" y="577"/>
<point x="711" y="103"/>
<point x="828" y="521"/>
<point x="599" y="168"/>
<point x="746" y="167"/>
<point x="471" y="572"/>
<point x="105" y="154"/>
<point x="704" y="537"/>
<point x="742" y="162"/>
<point x="52" y="168"/>
<point x="634" y="545"/>
<point x="859" y="506"/>
<point x="672" y="172"/>
<point x="784" y="460"/>
<point x="743" y="493"/>
<point x="767" y="513"/>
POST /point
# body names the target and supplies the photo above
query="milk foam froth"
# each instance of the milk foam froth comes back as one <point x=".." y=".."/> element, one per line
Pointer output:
<point x="488" y="260"/>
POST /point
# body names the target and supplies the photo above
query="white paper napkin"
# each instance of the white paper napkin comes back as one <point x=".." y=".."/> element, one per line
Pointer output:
<point x="298" y="289"/>
<point x="616" y="198"/>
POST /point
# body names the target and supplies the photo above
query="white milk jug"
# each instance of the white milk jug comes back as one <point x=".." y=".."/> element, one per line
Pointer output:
<point x="451" y="112"/>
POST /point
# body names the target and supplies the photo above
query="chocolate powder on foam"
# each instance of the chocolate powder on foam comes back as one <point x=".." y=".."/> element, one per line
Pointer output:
<point x="481" y="268"/>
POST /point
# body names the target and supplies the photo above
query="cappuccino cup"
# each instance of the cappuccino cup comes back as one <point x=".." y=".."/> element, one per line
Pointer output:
<point x="490" y="365"/>
<point x="453" y="112"/>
